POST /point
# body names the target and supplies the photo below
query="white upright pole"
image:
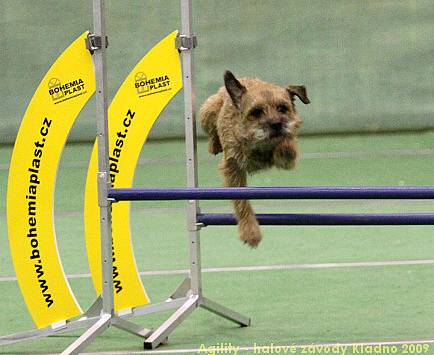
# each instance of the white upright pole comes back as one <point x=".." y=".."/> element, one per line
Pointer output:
<point x="193" y="293"/>
<point x="191" y="150"/>
<point x="100" y="64"/>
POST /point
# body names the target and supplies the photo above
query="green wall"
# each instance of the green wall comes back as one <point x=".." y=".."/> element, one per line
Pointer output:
<point x="367" y="65"/>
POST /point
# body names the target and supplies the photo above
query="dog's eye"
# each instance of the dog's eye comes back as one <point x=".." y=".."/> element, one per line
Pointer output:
<point x="282" y="108"/>
<point x="256" y="112"/>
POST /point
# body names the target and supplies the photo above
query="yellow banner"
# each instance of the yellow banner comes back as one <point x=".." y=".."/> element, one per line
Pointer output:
<point x="145" y="92"/>
<point x="59" y="98"/>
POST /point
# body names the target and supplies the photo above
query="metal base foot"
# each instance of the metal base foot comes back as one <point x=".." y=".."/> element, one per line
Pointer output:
<point x="193" y="302"/>
<point x="160" y="334"/>
<point x="95" y="309"/>
<point x="225" y="312"/>
<point x="80" y="343"/>
<point x="132" y="328"/>
<point x="48" y="331"/>
<point x="182" y="290"/>
<point x="156" y="307"/>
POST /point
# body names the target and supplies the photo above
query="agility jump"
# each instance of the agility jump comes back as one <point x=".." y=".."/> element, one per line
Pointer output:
<point x="108" y="189"/>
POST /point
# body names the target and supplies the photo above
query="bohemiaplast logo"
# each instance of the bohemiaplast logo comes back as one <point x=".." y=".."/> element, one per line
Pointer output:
<point x="60" y="92"/>
<point x="148" y="86"/>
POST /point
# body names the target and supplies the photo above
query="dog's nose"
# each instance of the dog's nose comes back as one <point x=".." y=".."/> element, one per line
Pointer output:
<point x="276" y="126"/>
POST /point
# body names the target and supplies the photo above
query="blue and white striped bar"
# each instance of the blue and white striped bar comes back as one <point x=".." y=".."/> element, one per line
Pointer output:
<point x="262" y="193"/>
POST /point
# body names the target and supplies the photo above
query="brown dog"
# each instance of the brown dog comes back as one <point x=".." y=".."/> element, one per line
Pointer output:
<point x="254" y="124"/>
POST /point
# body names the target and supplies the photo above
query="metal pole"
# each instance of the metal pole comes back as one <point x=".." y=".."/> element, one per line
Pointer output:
<point x="193" y="295"/>
<point x="191" y="150"/>
<point x="100" y="63"/>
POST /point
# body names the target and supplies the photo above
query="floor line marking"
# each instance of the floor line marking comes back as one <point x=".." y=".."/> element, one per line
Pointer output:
<point x="311" y="155"/>
<point x="265" y="268"/>
<point x="358" y="345"/>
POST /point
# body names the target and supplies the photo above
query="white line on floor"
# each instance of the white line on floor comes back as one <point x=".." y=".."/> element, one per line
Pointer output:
<point x="312" y="155"/>
<point x="343" y="347"/>
<point x="266" y="268"/>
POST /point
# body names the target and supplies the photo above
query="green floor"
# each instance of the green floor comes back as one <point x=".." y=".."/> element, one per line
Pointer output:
<point x="297" y="306"/>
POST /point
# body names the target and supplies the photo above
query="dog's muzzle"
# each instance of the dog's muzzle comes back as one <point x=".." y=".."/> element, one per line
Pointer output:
<point x="276" y="129"/>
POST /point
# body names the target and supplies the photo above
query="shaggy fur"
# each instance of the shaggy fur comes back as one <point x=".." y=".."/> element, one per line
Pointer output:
<point x="254" y="124"/>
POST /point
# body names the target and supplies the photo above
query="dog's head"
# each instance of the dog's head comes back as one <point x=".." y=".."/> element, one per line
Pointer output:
<point x="266" y="112"/>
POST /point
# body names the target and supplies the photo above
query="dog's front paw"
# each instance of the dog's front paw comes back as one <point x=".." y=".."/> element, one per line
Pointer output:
<point x="285" y="154"/>
<point x="249" y="231"/>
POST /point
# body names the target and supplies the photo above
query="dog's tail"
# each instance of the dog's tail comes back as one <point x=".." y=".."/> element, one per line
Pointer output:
<point x="208" y="117"/>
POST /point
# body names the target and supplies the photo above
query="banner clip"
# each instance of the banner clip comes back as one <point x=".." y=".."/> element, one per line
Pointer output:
<point x="103" y="186"/>
<point x="94" y="42"/>
<point x="185" y="43"/>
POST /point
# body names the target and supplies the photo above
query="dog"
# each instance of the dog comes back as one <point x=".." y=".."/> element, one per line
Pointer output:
<point x="254" y="124"/>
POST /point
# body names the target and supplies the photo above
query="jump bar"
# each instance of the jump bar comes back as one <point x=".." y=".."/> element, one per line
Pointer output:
<point x="262" y="193"/>
<point x="222" y="219"/>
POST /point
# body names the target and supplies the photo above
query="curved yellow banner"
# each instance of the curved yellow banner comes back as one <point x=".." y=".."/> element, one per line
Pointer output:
<point x="145" y="92"/>
<point x="59" y="98"/>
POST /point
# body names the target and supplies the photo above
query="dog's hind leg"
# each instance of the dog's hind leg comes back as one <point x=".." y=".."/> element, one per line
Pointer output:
<point x="248" y="226"/>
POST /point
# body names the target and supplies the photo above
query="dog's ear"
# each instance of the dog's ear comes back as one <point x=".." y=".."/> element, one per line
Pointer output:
<point x="234" y="88"/>
<point x="300" y="91"/>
